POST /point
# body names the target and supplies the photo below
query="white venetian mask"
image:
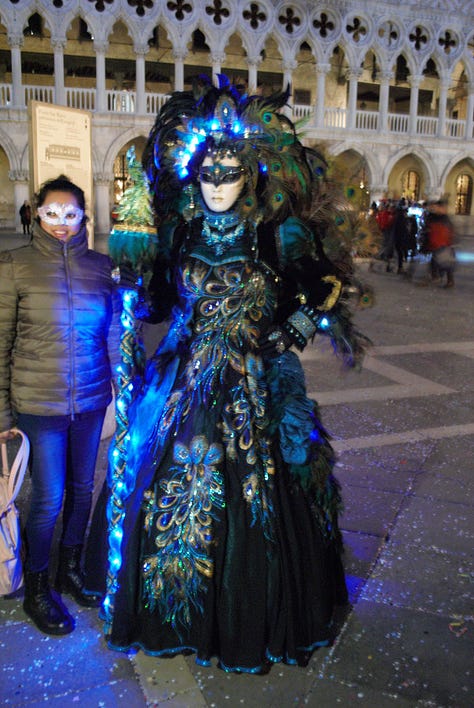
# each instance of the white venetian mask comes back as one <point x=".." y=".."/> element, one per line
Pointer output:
<point x="55" y="214"/>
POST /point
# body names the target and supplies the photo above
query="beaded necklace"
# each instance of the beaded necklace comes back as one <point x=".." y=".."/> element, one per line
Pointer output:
<point x="220" y="231"/>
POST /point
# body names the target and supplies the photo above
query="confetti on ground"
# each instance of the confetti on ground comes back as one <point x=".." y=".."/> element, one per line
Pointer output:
<point x="458" y="628"/>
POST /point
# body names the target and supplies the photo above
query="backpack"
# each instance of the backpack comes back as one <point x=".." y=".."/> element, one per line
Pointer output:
<point x="11" y="567"/>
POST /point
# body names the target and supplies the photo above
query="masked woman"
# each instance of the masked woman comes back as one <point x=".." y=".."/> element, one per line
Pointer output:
<point x="59" y="335"/>
<point x="222" y="515"/>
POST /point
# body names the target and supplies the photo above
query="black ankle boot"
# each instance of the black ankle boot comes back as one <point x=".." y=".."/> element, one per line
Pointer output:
<point x="49" y="615"/>
<point x="70" y="579"/>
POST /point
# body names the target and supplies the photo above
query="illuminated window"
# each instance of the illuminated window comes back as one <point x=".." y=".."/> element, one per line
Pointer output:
<point x="120" y="176"/>
<point x="411" y="185"/>
<point x="463" y="195"/>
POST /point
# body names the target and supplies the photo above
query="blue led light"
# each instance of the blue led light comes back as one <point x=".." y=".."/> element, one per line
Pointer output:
<point x="324" y="323"/>
<point x="117" y="533"/>
<point x="116" y="562"/>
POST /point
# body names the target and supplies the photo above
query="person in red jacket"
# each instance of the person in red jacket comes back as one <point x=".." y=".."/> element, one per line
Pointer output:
<point x="385" y="219"/>
<point x="440" y="240"/>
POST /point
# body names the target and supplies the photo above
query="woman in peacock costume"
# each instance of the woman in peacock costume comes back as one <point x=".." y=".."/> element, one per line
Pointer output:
<point x="223" y="537"/>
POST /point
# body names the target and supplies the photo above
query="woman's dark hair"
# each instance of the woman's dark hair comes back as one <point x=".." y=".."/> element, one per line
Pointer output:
<point x="60" y="184"/>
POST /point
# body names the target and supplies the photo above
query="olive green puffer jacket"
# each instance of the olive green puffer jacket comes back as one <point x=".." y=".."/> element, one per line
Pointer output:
<point x="59" y="328"/>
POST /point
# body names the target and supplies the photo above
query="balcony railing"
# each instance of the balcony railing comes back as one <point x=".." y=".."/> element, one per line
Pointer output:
<point x="398" y="123"/>
<point x="367" y="120"/>
<point x="335" y="117"/>
<point x="125" y="101"/>
<point x="39" y="93"/>
<point x="81" y="98"/>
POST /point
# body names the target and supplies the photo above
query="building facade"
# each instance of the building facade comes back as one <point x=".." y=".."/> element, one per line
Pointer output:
<point x="386" y="87"/>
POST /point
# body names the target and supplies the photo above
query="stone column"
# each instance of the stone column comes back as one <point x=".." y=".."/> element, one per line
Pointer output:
<point x="321" y="72"/>
<point x="21" y="191"/>
<point x="179" y="56"/>
<point x="140" y="52"/>
<point x="443" y="100"/>
<point x="469" y="112"/>
<point x="378" y="192"/>
<point x="102" y="205"/>
<point x="58" y="45"/>
<point x="252" y="68"/>
<point x="217" y="59"/>
<point x="289" y="65"/>
<point x="385" y="79"/>
<point x="353" y="77"/>
<point x="100" y="48"/>
<point x="18" y="95"/>
<point x="415" y="82"/>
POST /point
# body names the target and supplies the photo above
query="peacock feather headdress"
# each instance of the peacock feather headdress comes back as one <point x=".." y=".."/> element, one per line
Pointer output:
<point x="223" y="120"/>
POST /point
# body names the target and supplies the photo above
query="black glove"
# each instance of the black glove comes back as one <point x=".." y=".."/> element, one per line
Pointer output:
<point x="274" y="342"/>
<point x="126" y="278"/>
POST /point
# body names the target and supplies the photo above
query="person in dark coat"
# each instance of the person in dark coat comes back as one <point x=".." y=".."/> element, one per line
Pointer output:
<point x="25" y="216"/>
<point x="400" y="235"/>
<point x="59" y="335"/>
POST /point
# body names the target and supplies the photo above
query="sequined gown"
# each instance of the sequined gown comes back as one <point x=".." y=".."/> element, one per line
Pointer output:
<point x="224" y="551"/>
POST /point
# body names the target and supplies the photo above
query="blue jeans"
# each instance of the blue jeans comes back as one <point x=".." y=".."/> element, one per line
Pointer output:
<point x="62" y="464"/>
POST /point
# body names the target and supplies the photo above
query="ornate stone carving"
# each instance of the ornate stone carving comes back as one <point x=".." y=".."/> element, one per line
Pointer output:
<point x="19" y="175"/>
<point x="217" y="11"/>
<point x="15" y="40"/>
<point x="103" y="178"/>
<point x="100" y="5"/>
<point x="180" y="8"/>
<point x="141" y="6"/>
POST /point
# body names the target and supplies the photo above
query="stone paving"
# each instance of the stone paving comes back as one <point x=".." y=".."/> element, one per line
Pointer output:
<point x="403" y="428"/>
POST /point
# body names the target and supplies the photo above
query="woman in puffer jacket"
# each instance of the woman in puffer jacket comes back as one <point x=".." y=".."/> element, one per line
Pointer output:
<point x="59" y="340"/>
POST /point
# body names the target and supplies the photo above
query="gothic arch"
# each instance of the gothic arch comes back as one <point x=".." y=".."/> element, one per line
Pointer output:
<point x="10" y="150"/>
<point x="459" y="157"/>
<point x="370" y="158"/>
<point x="116" y="145"/>
<point x="426" y="161"/>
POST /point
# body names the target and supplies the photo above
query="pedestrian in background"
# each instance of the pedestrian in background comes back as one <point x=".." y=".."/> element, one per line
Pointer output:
<point x="25" y="216"/>
<point x="440" y="238"/>
<point x="57" y="307"/>
<point x="400" y="234"/>
<point x="385" y="219"/>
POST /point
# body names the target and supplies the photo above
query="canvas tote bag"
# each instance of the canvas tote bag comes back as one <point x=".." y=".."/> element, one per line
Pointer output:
<point x="11" y="567"/>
